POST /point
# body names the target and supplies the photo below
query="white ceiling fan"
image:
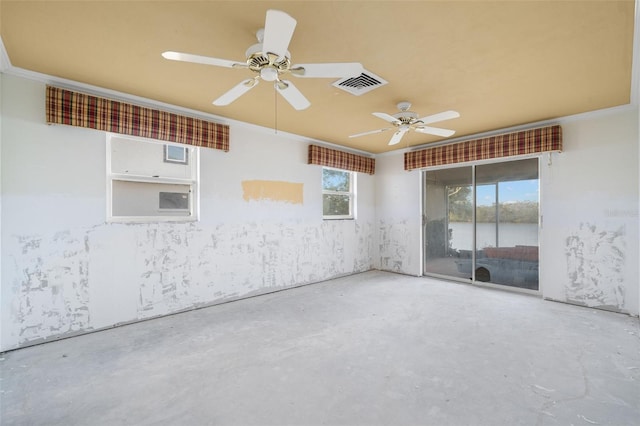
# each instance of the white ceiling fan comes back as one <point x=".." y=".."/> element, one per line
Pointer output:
<point x="270" y="60"/>
<point x="406" y="120"/>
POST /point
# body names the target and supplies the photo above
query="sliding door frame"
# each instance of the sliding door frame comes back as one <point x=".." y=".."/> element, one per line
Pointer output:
<point x="472" y="280"/>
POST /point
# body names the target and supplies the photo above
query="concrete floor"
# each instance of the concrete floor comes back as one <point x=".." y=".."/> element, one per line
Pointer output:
<point x="372" y="349"/>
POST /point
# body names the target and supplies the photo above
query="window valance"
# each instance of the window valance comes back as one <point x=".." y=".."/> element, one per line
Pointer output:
<point x="544" y="139"/>
<point x="82" y="110"/>
<point x="341" y="160"/>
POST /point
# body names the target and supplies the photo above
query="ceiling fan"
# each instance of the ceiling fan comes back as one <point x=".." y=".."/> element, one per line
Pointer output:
<point x="406" y="120"/>
<point x="270" y="60"/>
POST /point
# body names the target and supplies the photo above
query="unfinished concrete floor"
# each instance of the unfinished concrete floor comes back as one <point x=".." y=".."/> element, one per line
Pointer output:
<point x="371" y="349"/>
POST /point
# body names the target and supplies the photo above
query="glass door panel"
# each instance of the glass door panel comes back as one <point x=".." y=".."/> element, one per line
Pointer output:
<point x="486" y="216"/>
<point x="448" y="215"/>
<point x="483" y="227"/>
<point x="507" y="223"/>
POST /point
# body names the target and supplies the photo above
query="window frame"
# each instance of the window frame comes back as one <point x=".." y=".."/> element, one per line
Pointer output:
<point x="193" y="182"/>
<point x="351" y="194"/>
<point x="167" y="154"/>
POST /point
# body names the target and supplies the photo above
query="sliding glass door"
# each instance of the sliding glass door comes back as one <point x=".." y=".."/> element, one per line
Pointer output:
<point x="448" y="218"/>
<point x="481" y="223"/>
<point x="507" y="223"/>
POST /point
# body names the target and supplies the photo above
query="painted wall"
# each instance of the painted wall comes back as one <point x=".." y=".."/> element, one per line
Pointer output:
<point x="590" y="214"/>
<point x="589" y="203"/>
<point x="398" y="216"/>
<point x="1" y="133"/>
<point x="66" y="271"/>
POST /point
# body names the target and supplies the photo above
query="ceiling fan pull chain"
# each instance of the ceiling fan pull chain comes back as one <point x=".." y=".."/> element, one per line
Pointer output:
<point x="275" y="109"/>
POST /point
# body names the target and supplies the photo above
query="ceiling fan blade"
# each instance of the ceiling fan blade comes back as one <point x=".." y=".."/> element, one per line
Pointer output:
<point x="441" y="116"/>
<point x="397" y="136"/>
<point x="386" y="117"/>
<point x="292" y="95"/>
<point x="328" y="70"/>
<point x="236" y="91"/>
<point x="278" y="30"/>
<point x="435" y="131"/>
<point x="197" y="59"/>
<point x="370" y="133"/>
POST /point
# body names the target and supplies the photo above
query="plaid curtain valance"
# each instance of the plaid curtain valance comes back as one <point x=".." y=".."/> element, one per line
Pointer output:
<point x="82" y="110"/>
<point x="341" y="160"/>
<point x="544" y="139"/>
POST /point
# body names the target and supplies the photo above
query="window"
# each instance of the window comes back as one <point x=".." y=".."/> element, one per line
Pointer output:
<point x="176" y="154"/>
<point x="150" y="181"/>
<point x="338" y="193"/>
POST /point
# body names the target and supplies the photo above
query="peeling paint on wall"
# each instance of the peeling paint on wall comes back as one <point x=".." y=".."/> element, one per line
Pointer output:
<point x="163" y="250"/>
<point x="595" y="266"/>
<point x="272" y="190"/>
<point x="362" y="262"/>
<point x="170" y="267"/>
<point x="188" y="266"/>
<point x="51" y="285"/>
<point x="393" y="245"/>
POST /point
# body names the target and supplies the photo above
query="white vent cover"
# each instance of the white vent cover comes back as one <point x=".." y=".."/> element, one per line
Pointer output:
<point x="365" y="82"/>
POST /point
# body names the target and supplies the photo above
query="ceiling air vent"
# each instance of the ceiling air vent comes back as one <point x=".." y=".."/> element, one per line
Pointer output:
<point x="365" y="82"/>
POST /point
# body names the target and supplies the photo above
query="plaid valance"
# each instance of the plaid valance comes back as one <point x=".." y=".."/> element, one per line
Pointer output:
<point x="532" y="141"/>
<point x="79" y="109"/>
<point x="341" y="160"/>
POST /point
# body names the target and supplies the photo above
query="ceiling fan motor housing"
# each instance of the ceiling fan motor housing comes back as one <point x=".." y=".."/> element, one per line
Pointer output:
<point x="258" y="60"/>
<point x="406" y="117"/>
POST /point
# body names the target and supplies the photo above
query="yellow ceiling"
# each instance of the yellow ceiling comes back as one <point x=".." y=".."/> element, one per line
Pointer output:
<point x="499" y="64"/>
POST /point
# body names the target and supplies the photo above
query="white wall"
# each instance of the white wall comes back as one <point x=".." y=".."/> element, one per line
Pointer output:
<point x="398" y="216"/>
<point x="590" y="229"/>
<point x="66" y="271"/>
<point x="1" y="191"/>
<point x="589" y="202"/>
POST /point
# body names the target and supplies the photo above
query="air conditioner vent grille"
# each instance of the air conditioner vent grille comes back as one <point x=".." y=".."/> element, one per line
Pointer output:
<point x="365" y="82"/>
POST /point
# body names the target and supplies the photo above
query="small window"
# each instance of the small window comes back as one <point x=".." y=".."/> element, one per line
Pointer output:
<point x="338" y="193"/>
<point x="176" y="154"/>
<point x="150" y="181"/>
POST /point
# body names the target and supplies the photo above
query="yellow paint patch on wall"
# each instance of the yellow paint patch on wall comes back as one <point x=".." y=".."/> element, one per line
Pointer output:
<point x="272" y="190"/>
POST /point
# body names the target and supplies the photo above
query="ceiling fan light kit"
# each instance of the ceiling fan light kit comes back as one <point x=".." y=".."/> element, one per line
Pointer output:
<point x="270" y="61"/>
